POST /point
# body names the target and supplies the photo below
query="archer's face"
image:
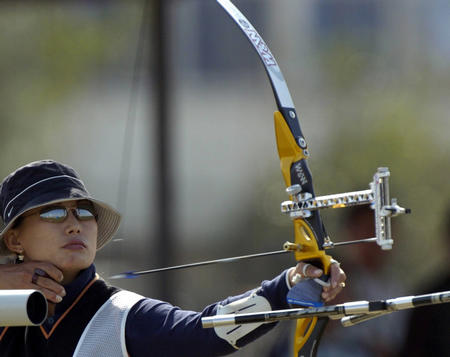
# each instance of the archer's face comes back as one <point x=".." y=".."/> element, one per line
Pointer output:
<point x="70" y="245"/>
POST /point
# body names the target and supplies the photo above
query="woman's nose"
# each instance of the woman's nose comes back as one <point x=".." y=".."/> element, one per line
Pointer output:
<point x="72" y="222"/>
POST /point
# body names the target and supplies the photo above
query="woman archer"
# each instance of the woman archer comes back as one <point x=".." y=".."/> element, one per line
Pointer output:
<point x="54" y="227"/>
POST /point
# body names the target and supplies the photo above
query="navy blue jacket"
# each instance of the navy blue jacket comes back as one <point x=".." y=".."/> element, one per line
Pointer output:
<point x="154" y="328"/>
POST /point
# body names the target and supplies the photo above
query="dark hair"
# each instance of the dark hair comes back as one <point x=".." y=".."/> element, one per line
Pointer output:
<point x="17" y="222"/>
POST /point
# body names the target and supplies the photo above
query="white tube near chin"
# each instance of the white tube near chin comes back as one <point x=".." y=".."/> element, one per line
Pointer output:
<point x="22" y="308"/>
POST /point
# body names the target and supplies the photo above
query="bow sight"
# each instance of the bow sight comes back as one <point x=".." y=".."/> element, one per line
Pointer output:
<point x="377" y="196"/>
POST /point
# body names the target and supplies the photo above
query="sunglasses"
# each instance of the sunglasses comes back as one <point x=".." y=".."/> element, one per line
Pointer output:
<point x="58" y="214"/>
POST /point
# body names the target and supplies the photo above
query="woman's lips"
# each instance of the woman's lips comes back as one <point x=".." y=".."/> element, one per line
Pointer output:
<point x="75" y="244"/>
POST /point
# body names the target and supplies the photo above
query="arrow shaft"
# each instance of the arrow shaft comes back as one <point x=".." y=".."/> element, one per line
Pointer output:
<point x="134" y="274"/>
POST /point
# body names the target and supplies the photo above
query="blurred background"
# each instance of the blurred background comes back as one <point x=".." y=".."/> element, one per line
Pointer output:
<point x="80" y="83"/>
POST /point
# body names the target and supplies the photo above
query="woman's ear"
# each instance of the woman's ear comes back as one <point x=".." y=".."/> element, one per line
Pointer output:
<point x="11" y="239"/>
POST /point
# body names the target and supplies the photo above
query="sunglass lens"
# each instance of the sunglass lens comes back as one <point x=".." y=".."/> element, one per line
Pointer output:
<point x="54" y="214"/>
<point x="85" y="214"/>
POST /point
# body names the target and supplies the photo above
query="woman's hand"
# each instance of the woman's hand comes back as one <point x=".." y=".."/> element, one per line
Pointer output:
<point x="337" y="278"/>
<point x="33" y="275"/>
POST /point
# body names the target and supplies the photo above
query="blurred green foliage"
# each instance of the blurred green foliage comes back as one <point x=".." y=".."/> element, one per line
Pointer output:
<point x="49" y="50"/>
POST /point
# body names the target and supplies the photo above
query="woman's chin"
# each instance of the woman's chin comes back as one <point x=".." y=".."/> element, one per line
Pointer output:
<point x="73" y="265"/>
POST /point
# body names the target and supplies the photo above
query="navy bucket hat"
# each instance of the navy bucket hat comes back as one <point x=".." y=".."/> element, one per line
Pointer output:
<point x="44" y="182"/>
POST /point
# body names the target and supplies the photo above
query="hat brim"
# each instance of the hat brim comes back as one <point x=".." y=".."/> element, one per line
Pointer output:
<point x="108" y="221"/>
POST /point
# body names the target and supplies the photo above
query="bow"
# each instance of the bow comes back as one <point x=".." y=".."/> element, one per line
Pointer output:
<point x="311" y="238"/>
<point x="309" y="230"/>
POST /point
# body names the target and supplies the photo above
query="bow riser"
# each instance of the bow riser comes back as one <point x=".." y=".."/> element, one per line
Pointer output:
<point x="309" y="233"/>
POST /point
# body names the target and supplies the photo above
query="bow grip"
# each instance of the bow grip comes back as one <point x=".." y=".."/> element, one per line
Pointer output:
<point x="306" y="293"/>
